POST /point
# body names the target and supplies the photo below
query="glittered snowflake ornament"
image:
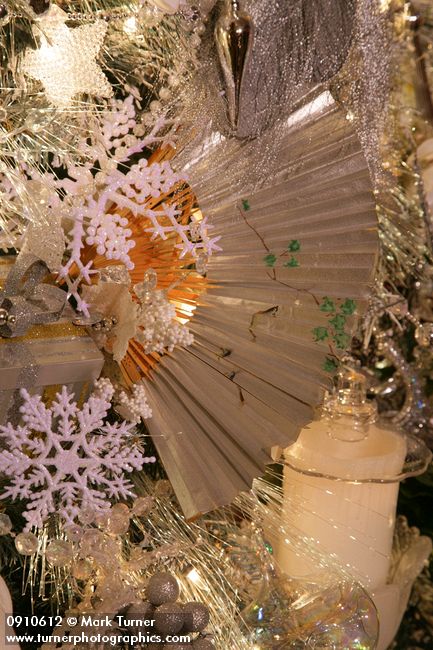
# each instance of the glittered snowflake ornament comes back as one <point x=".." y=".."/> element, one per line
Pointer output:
<point x="67" y="460"/>
<point x="65" y="62"/>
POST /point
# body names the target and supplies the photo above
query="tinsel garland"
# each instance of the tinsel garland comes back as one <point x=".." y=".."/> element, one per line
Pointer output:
<point x="156" y="62"/>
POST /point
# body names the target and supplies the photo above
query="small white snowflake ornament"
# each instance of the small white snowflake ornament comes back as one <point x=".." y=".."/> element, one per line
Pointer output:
<point x="67" y="460"/>
<point x="65" y="62"/>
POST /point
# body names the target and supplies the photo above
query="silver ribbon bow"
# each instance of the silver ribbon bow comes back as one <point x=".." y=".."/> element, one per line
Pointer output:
<point x="25" y="301"/>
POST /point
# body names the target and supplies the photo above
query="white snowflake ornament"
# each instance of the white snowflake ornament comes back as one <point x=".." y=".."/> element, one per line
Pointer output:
<point x="67" y="460"/>
<point x="65" y="62"/>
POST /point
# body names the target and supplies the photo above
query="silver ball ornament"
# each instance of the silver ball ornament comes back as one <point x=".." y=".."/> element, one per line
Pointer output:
<point x="169" y="618"/>
<point x="162" y="588"/>
<point x="143" y="611"/>
<point x="196" y="617"/>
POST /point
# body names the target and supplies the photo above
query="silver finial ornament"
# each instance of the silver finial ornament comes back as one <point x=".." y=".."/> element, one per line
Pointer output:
<point x="234" y="36"/>
<point x="6" y="318"/>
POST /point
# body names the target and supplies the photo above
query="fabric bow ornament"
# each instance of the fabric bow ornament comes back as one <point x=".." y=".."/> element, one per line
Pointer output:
<point x="25" y="301"/>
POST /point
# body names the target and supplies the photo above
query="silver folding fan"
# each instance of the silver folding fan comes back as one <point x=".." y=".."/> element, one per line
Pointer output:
<point x="297" y="261"/>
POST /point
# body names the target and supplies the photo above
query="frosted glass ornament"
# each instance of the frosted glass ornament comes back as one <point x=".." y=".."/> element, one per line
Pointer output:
<point x="118" y="519"/>
<point x="59" y="553"/>
<point x="26" y="543"/>
<point x="74" y="532"/>
<point x="142" y="506"/>
<point x="82" y="570"/>
<point x="92" y="543"/>
<point x="150" y="280"/>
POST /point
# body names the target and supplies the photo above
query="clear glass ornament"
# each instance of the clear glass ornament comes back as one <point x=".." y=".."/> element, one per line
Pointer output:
<point x="116" y="273"/>
<point x="150" y="279"/>
<point x="26" y="543"/>
<point x="201" y="263"/>
<point x="59" y="553"/>
<point x="144" y="290"/>
<point x="5" y="524"/>
<point x="142" y="506"/>
<point x="92" y="543"/>
<point x="73" y="532"/>
<point x="289" y="613"/>
<point x="82" y="570"/>
<point x="36" y="120"/>
<point x="118" y="519"/>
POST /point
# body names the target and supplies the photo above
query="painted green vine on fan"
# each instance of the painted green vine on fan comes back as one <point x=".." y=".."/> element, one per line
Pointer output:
<point x="335" y="331"/>
<point x="294" y="246"/>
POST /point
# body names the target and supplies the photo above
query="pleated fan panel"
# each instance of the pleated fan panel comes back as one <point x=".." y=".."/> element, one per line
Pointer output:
<point x="298" y="255"/>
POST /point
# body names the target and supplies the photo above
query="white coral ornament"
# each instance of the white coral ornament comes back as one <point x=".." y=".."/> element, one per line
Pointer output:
<point x="159" y="330"/>
<point x="65" y="62"/>
<point x="134" y="407"/>
<point x="67" y="460"/>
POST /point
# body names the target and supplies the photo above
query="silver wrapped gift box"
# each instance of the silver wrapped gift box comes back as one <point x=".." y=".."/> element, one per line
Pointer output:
<point x="46" y="358"/>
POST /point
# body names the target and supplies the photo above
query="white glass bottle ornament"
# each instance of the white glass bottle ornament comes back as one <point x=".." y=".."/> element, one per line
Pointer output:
<point x="341" y="480"/>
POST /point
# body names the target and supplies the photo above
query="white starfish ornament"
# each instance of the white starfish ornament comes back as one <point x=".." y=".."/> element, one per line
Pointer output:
<point x="65" y="62"/>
